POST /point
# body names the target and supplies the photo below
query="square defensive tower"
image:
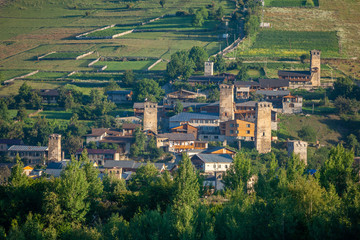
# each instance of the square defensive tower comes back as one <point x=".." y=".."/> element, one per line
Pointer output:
<point x="209" y="68"/>
<point x="315" y="67"/>
<point x="299" y="148"/>
<point x="54" y="148"/>
<point x="150" y="116"/>
<point x="226" y="109"/>
<point x="263" y="127"/>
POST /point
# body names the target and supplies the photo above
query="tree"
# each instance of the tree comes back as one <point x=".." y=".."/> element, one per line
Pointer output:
<point x="112" y="86"/>
<point x="72" y="143"/>
<point x="148" y="89"/>
<point x="198" y="56"/>
<point x="21" y="114"/>
<point x="353" y="144"/>
<point x="307" y="133"/>
<point x="242" y="74"/>
<point x="4" y="111"/>
<point x="337" y="169"/>
<point x="73" y="192"/>
<point x="220" y="13"/>
<point x="214" y="95"/>
<point x="237" y="176"/>
<point x="186" y="197"/>
<point x="198" y="19"/>
<point x="178" y="107"/>
<point x="92" y="176"/>
<point x="116" y="228"/>
<point x="343" y="87"/>
<point x="309" y="3"/>
<point x="162" y="3"/>
<point x="128" y="78"/>
<point x="180" y="65"/>
<point x="295" y="167"/>
<point x="144" y="177"/>
<point x="252" y="25"/>
<point x="17" y="177"/>
<point x="219" y="64"/>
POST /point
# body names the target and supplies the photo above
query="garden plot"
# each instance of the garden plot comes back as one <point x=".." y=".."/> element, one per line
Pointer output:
<point x="125" y="65"/>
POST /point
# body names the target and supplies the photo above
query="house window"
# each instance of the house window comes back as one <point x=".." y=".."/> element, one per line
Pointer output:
<point x="248" y="125"/>
<point x="216" y="137"/>
<point x="205" y="136"/>
<point x="248" y="132"/>
<point x="214" y="165"/>
<point x="226" y="166"/>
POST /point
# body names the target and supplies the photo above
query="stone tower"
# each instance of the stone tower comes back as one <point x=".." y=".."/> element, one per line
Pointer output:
<point x="54" y="148"/>
<point x="263" y="127"/>
<point x="150" y="116"/>
<point x="209" y="69"/>
<point x="299" y="148"/>
<point x="315" y="64"/>
<point x="226" y="109"/>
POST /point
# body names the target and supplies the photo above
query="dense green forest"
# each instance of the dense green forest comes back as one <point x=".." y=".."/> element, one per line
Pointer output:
<point x="285" y="203"/>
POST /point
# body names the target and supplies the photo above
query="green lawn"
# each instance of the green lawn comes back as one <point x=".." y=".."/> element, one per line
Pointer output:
<point x="288" y="3"/>
<point x="13" y="89"/>
<point x="122" y="66"/>
<point x="277" y="43"/>
<point x="56" y="115"/>
<point x="62" y="55"/>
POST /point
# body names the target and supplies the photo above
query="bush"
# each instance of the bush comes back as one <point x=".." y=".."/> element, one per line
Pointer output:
<point x="307" y="133"/>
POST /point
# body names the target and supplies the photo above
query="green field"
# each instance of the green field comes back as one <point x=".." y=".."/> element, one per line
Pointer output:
<point x="95" y="76"/>
<point x="277" y="44"/>
<point x="288" y="3"/>
<point x="48" y="75"/>
<point x="122" y="66"/>
<point x="109" y="32"/>
<point x="62" y="55"/>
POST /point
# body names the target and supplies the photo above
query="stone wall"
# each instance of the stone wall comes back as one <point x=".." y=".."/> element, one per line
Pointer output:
<point x="299" y="148"/>
<point x="226" y="109"/>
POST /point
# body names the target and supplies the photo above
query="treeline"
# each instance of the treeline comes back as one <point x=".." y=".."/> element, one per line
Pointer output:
<point x="285" y="202"/>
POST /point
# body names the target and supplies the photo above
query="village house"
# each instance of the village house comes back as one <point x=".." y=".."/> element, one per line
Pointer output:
<point x="219" y="150"/>
<point x="49" y="95"/>
<point x="55" y="168"/>
<point x="176" y="142"/>
<point x="186" y="128"/>
<point x="211" y="163"/>
<point x="182" y="96"/>
<point x="244" y="88"/>
<point x="238" y="129"/>
<point x="123" y="96"/>
<point x="128" y="129"/>
<point x="292" y="104"/>
<point x="206" y="80"/>
<point x="273" y="84"/>
<point x="195" y="119"/>
<point x="99" y="156"/>
<point x="6" y="143"/>
<point x="275" y="97"/>
<point x="31" y="154"/>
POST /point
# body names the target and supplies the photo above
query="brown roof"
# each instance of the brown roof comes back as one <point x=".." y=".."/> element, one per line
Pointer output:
<point x="49" y="92"/>
<point x="300" y="74"/>
<point x="96" y="132"/>
<point x="130" y="125"/>
<point x="97" y="151"/>
<point x="273" y="83"/>
<point x="118" y="139"/>
<point x="178" y="136"/>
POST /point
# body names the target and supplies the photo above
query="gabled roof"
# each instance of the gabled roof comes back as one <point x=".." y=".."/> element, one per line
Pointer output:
<point x="215" y="149"/>
<point x="130" y="125"/>
<point x="97" y="151"/>
<point x="247" y="83"/>
<point x="120" y="92"/>
<point x="294" y="73"/>
<point x="273" y="83"/>
<point x="273" y="93"/>
<point x="184" y="116"/>
<point x="118" y="139"/>
<point x="11" y="141"/>
<point x="49" y="92"/>
<point x="57" y="165"/>
<point x="215" y="158"/>
<point x="246" y="104"/>
<point x="97" y="132"/>
<point x="206" y="79"/>
<point x="177" y="136"/>
<point x="181" y="91"/>
<point x="23" y="148"/>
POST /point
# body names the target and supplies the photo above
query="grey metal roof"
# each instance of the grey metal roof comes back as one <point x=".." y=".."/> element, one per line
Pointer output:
<point x="246" y="83"/>
<point x="273" y="83"/>
<point x="184" y="116"/>
<point x="178" y="136"/>
<point x="21" y="148"/>
<point x="57" y="165"/>
<point x="273" y="93"/>
<point x="294" y="73"/>
<point x="215" y="158"/>
<point x="246" y="104"/>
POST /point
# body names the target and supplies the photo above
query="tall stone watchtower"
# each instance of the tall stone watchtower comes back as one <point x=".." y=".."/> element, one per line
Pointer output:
<point x="209" y="68"/>
<point x="54" y="148"/>
<point x="299" y="148"/>
<point x="226" y="109"/>
<point x="315" y="64"/>
<point x="150" y="116"/>
<point x="263" y="127"/>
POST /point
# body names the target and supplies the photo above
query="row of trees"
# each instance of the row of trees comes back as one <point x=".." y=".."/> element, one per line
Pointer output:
<point x="284" y="203"/>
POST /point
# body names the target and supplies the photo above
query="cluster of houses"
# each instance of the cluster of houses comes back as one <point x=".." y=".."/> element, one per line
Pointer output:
<point x="233" y="119"/>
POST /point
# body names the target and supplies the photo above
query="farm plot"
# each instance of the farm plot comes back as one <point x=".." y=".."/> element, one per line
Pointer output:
<point x="277" y="44"/>
<point x="109" y="32"/>
<point x="291" y="3"/>
<point x="13" y="89"/>
<point x="125" y="65"/>
<point x="47" y="75"/>
<point x="61" y="55"/>
<point x="95" y="76"/>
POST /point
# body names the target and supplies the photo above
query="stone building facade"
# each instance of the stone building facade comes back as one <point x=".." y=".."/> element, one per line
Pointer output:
<point x="263" y="127"/>
<point x="150" y="120"/>
<point x="299" y="148"/>
<point x="209" y="68"/>
<point x="54" y="148"/>
<point x="226" y="109"/>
